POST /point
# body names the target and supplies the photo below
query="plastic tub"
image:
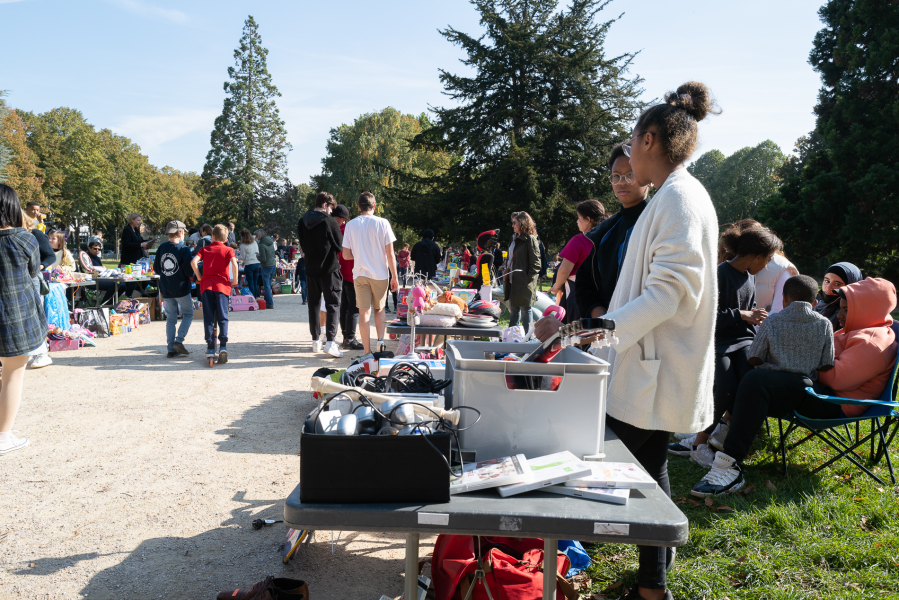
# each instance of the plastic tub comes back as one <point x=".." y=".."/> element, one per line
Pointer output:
<point x="530" y="422"/>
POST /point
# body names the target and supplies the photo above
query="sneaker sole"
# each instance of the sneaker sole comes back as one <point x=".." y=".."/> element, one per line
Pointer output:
<point x="25" y="443"/>
<point x="223" y="357"/>
<point x="731" y="490"/>
<point x="34" y="366"/>
<point x="679" y="452"/>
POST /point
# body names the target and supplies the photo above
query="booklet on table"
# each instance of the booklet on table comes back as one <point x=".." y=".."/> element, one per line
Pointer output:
<point x="615" y="475"/>
<point x="491" y="473"/>
<point x="613" y="496"/>
<point x="548" y="470"/>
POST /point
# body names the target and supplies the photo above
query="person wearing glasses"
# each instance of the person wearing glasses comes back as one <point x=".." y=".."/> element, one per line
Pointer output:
<point x="92" y="263"/>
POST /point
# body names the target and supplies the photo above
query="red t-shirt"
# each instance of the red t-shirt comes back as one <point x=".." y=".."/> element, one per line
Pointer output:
<point x="577" y="250"/>
<point x="402" y="259"/>
<point x="466" y="259"/>
<point x="346" y="266"/>
<point x="216" y="258"/>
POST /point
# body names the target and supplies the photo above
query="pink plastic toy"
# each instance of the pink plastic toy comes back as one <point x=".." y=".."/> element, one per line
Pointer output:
<point x="419" y="299"/>
<point x="243" y="303"/>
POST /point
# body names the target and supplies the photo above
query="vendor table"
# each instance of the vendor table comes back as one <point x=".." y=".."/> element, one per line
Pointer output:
<point x="457" y="331"/>
<point x="649" y="518"/>
<point x="75" y="285"/>
<point x="139" y="280"/>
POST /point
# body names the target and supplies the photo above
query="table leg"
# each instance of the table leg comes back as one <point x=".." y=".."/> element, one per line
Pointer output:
<point x="411" y="585"/>
<point x="550" y="550"/>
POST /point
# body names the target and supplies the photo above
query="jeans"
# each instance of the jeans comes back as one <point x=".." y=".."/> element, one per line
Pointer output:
<point x="300" y="280"/>
<point x="402" y="273"/>
<point x="764" y="393"/>
<point x="215" y="310"/>
<point x="171" y="319"/>
<point x="650" y="448"/>
<point x="251" y="273"/>
<point x="730" y="369"/>
<point x="331" y="287"/>
<point x="267" y="273"/>
<point x="521" y="315"/>
<point x="349" y="312"/>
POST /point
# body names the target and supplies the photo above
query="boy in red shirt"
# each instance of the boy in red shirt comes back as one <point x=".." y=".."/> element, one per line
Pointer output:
<point x="218" y="277"/>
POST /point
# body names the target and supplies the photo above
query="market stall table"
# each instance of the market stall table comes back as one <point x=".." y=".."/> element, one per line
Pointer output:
<point x="649" y="518"/>
<point x="74" y="285"/>
<point x="144" y="279"/>
<point x="400" y="328"/>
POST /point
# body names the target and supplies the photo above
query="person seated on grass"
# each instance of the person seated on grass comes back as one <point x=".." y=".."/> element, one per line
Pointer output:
<point x="792" y="345"/>
<point x="749" y="248"/>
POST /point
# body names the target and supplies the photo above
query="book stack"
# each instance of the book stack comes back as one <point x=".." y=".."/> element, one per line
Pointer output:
<point x="607" y="482"/>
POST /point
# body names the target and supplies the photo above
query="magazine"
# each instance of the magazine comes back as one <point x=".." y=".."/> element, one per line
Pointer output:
<point x="615" y="475"/>
<point x="613" y="496"/>
<point x="491" y="473"/>
<point x="549" y="470"/>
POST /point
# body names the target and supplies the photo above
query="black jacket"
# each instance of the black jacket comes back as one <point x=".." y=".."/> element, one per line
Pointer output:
<point x="172" y="264"/>
<point x="736" y="292"/>
<point x="48" y="256"/>
<point x="130" y="246"/>
<point x="426" y="255"/>
<point x="321" y="241"/>
<point x="593" y="287"/>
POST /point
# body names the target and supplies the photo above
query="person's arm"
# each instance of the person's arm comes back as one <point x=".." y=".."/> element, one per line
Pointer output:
<point x="157" y="263"/>
<point x="534" y="263"/>
<point x="777" y="304"/>
<point x="758" y="351"/>
<point x="827" y="349"/>
<point x="856" y="365"/>
<point x="562" y="276"/>
<point x="193" y="265"/>
<point x="391" y="265"/>
<point x="588" y="291"/>
<point x="234" y="271"/>
<point x="34" y="262"/>
<point x="347" y="243"/>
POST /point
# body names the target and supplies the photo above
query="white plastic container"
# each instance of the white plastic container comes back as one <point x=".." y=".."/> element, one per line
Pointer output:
<point x="529" y="422"/>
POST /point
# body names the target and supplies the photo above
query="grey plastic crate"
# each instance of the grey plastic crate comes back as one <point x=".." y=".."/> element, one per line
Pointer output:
<point x="530" y="422"/>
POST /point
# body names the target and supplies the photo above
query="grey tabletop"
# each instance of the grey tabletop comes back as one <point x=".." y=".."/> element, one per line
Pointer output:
<point x="649" y="517"/>
<point x="74" y="284"/>
<point x="457" y="330"/>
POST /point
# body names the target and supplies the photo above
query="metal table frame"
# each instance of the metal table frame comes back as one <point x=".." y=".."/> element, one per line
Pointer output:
<point x="457" y="331"/>
<point x="115" y="296"/>
<point x="649" y="518"/>
<point x="74" y="285"/>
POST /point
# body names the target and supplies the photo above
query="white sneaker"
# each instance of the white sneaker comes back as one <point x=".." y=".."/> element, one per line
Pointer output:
<point x="317" y="346"/>
<point x="40" y="360"/>
<point x="703" y="455"/>
<point x="725" y="477"/>
<point x="13" y="444"/>
<point x="683" y="436"/>
<point x="716" y="440"/>
<point x="333" y="349"/>
<point x="683" y="447"/>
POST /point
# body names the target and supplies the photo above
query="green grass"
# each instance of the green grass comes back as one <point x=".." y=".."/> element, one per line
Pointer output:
<point x="829" y="535"/>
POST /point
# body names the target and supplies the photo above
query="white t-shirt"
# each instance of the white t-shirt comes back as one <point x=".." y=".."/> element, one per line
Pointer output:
<point x="367" y="236"/>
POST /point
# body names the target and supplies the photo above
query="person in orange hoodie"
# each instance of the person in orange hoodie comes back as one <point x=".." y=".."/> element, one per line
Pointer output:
<point x="865" y="348"/>
<point x="864" y="353"/>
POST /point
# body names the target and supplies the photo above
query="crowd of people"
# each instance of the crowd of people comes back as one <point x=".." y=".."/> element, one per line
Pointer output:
<point x="716" y="332"/>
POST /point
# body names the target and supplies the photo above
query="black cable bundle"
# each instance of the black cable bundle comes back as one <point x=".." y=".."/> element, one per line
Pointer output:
<point x="404" y="377"/>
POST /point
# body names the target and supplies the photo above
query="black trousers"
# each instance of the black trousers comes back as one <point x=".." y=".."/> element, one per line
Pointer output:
<point x="329" y="286"/>
<point x="650" y="448"/>
<point x="730" y="369"/>
<point x="349" y="312"/>
<point x="764" y="394"/>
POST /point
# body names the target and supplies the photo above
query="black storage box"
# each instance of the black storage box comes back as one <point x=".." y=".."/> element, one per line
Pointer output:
<point x="340" y="469"/>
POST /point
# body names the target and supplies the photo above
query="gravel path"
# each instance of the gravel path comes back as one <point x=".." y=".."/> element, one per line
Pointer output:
<point x="145" y="473"/>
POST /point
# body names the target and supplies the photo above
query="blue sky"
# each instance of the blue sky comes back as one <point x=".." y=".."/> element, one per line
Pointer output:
<point x="153" y="70"/>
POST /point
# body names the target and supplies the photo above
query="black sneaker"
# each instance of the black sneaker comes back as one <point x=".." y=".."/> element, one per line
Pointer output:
<point x="725" y="477"/>
<point x="172" y="355"/>
<point x="179" y="348"/>
<point x="634" y="594"/>
<point x="352" y="345"/>
<point x="683" y="447"/>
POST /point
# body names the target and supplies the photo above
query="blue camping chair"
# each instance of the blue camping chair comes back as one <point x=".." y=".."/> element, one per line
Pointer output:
<point x="882" y="414"/>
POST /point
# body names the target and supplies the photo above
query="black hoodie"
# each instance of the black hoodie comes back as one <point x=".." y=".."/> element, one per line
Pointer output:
<point x="321" y="241"/>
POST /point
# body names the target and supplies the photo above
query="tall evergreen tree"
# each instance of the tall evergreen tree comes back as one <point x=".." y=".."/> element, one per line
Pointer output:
<point x="840" y="200"/>
<point x="248" y="159"/>
<point x="535" y="121"/>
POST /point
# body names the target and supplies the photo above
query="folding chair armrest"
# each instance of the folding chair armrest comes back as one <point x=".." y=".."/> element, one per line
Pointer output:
<point x="856" y="401"/>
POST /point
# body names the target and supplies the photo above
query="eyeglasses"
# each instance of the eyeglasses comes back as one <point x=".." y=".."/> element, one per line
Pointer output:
<point x="94" y="248"/>
<point x="615" y="178"/>
<point x="627" y="145"/>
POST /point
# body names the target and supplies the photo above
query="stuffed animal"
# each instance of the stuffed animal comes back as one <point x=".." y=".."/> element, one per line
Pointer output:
<point x="421" y="301"/>
<point x="447" y="297"/>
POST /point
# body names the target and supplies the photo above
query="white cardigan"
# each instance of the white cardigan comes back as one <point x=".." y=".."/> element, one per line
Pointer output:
<point x="664" y="308"/>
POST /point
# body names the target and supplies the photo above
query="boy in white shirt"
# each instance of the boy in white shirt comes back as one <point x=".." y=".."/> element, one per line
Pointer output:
<point x="368" y="240"/>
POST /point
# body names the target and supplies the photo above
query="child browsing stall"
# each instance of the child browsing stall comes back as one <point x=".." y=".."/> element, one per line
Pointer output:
<point x="171" y="263"/>
<point x="215" y="288"/>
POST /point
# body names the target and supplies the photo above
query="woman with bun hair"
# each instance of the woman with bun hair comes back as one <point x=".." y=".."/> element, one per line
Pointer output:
<point x="663" y="366"/>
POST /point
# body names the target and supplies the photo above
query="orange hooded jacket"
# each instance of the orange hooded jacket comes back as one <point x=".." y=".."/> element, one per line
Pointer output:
<point x="865" y="348"/>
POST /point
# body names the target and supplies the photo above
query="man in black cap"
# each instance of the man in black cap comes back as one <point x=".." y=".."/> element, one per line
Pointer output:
<point x="172" y="264"/>
<point x="426" y="255"/>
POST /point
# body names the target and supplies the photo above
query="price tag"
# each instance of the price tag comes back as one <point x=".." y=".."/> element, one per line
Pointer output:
<point x="433" y="519"/>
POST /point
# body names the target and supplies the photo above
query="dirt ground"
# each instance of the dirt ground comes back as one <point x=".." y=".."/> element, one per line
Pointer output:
<point x="145" y="473"/>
